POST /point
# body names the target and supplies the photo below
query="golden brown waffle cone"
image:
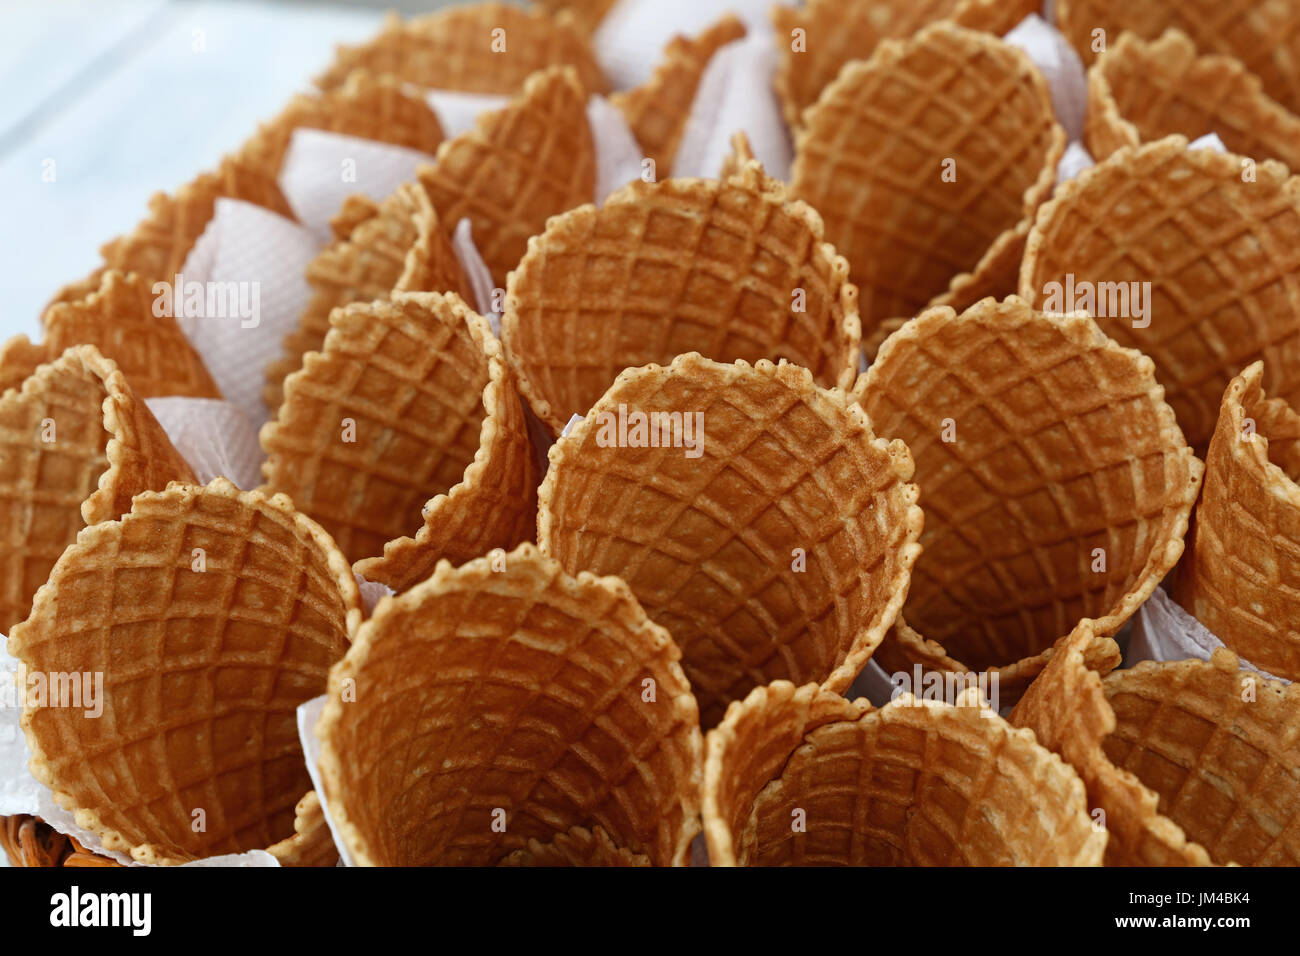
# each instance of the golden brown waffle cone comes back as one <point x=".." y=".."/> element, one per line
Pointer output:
<point x="1222" y="256"/>
<point x="400" y="247"/>
<point x="871" y="159"/>
<point x="586" y="13"/>
<point x="672" y="267"/>
<point x="917" y="783"/>
<point x="1140" y="91"/>
<point x="205" y="656"/>
<point x="1060" y="444"/>
<point x="19" y="358"/>
<point x="507" y="685"/>
<point x="1240" y="578"/>
<point x="355" y="210"/>
<point x="837" y="31"/>
<point x="657" y="110"/>
<point x="365" y="107"/>
<point x="436" y="427"/>
<point x="119" y="320"/>
<point x="1265" y="37"/>
<point x="578" y="847"/>
<point x="107" y="448"/>
<point x="517" y="168"/>
<point x="741" y="155"/>
<point x="711" y="544"/>
<point x="453" y="50"/>
<point x="1177" y="752"/>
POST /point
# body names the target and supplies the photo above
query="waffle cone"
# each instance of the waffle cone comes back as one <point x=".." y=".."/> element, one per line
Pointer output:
<point x="355" y="210"/>
<point x="657" y="110"/>
<point x="19" y="358"/>
<point x="1222" y="256"/>
<point x="837" y="31"/>
<point x="107" y="448"/>
<point x="667" y="268"/>
<point x="119" y="320"/>
<point x="507" y="685"/>
<point x="873" y="152"/>
<point x="1037" y="441"/>
<point x="437" y="431"/>
<point x="400" y="247"/>
<point x="1143" y="91"/>
<point x="1191" y="762"/>
<point x="212" y="614"/>
<point x="741" y="155"/>
<point x="453" y="50"/>
<point x="1264" y="37"/>
<point x="1240" y="578"/>
<point x="578" y="847"/>
<point x="917" y="783"/>
<point x="711" y="544"/>
<point x="516" y="168"/>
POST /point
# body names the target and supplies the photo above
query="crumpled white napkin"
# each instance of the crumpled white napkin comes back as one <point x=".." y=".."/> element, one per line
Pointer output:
<point x="1060" y="66"/>
<point x="308" y="716"/>
<point x="214" y="437"/>
<point x="1164" y="631"/>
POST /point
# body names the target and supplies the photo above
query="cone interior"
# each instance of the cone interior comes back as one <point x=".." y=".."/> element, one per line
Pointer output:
<point x="667" y="268"/>
<point x="1225" y="769"/>
<point x="495" y="708"/>
<point x="386" y="417"/>
<point x="211" y="615"/>
<point x="922" y="157"/>
<point x="1248" y="595"/>
<point x="1140" y="91"/>
<point x="1221" y="256"/>
<point x="1037" y="442"/>
<point x="781" y="551"/>
<point x="928" y="785"/>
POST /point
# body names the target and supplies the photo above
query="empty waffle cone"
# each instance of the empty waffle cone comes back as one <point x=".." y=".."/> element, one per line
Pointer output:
<point x="1265" y="37"/>
<point x="877" y="148"/>
<point x="406" y="419"/>
<point x="517" y="168"/>
<point x="803" y="777"/>
<point x="473" y="48"/>
<point x="497" y="706"/>
<point x="76" y="444"/>
<point x="833" y="32"/>
<point x="211" y="614"/>
<point x="657" y="111"/>
<point x="766" y="528"/>
<point x="1213" y="235"/>
<point x="121" y="320"/>
<point x="400" y="247"/>
<point x="1056" y="483"/>
<point x="718" y="267"/>
<point x="1240" y="578"/>
<point x="1142" y="91"/>
<point x="1191" y="762"/>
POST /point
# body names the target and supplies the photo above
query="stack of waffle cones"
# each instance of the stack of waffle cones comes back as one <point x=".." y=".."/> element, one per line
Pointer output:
<point x="1189" y="762"/>
<point x="1241" y="578"/>
<point x="802" y="777"/>
<point x="1055" y="481"/>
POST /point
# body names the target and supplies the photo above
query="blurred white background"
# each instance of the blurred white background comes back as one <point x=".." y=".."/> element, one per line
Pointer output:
<point x="122" y="98"/>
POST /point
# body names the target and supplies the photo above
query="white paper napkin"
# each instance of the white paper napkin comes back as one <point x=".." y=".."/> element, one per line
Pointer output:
<point x="308" y="716"/>
<point x="1060" y="66"/>
<point x="1164" y="631"/>
<point x="215" y="437"/>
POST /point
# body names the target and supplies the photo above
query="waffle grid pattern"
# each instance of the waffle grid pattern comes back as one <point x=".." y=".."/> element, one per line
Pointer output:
<point x="664" y="269"/>
<point x="518" y="689"/>
<point x="1222" y="257"/>
<point x="452" y="50"/>
<point x="411" y="377"/>
<point x="203" y="672"/>
<point x="1226" y="770"/>
<point x="870" y="160"/>
<point x="1062" y="445"/>
<point x="1264" y="37"/>
<point x="706" y="544"/>
<point x="1139" y="92"/>
<point x="518" y="167"/>
<point x="1242" y="577"/>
